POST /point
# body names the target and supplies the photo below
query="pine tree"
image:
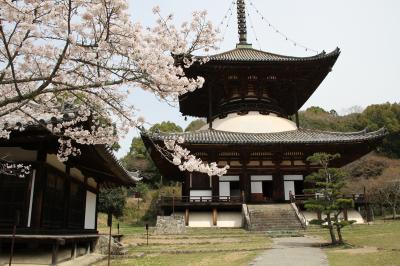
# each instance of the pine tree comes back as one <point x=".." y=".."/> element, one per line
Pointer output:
<point x="327" y="184"/>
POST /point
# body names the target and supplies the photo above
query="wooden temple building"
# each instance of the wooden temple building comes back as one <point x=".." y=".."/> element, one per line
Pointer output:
<point x="251" y="100"/>
<point x="55" y="203"/>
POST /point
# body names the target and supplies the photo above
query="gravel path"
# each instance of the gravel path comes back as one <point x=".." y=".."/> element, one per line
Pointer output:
<point x="293" y="251"/>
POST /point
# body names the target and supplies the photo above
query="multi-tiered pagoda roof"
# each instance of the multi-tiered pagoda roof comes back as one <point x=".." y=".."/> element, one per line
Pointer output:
<point x="248" y="98"/>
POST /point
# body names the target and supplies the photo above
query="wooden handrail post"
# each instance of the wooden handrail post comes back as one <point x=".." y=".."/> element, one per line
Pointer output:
<point x="173" y="205"/>
<point x="109" y="223"/>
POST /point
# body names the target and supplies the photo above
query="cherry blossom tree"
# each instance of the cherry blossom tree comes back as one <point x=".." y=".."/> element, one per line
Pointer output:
<point x="74" y="63"/>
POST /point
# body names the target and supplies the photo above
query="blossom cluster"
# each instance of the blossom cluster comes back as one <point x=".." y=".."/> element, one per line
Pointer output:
<point x="182" y="158"/>
<point x="20" y="170"/>
<point x="80" y="58"/>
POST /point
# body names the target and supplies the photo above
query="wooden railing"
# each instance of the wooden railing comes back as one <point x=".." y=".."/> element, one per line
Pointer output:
<point x="199" y="200"/>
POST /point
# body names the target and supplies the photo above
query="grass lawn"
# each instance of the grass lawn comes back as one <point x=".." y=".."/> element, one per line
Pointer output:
<point x="374" y="244"/>
<point x="197" y="247"/>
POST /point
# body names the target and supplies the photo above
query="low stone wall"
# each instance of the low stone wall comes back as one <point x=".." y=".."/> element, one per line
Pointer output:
<point x="170" y="225"/>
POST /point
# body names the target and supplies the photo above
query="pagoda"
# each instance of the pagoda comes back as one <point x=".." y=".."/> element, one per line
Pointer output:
<point x="248" y="98"/>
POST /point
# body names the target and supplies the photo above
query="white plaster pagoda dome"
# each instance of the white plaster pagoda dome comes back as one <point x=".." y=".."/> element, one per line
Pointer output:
<point x="253" y="122"/>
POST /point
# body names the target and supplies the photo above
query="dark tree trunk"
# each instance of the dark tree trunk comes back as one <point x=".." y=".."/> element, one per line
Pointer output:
<point x="339" y="232"/>
<point x="331" y="231"/>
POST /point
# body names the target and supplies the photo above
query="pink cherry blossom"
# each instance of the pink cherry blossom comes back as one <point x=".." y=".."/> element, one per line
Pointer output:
<point x="73" y="62"/>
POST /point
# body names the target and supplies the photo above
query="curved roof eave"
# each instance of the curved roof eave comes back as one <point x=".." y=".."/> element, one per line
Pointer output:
<point x="254" y="55"/>
<point x="301" y="136"/>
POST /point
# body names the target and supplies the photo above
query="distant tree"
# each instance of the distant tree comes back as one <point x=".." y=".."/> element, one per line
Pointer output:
<point x="138" y="157"/>
<point x="390" y="195"/>
<point x="316" y="110"/>
<point x="112" y="201"/>
<point x="384" y="115"/>
<point x="138" y="150"/>
<point x="195" y="125"/>
<point x="327" y="187"/>
<point x="166" y="127"/>
<point x="333" y="112"/>
<point x="356" y="109"/>
<point x="366" y="167"/>
<point x="373" y="117"/>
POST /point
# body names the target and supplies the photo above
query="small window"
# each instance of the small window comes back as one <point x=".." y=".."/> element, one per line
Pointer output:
<point x="272" y="77"/>
<point x="233" y="77"/>
<point x="252" y="77"/>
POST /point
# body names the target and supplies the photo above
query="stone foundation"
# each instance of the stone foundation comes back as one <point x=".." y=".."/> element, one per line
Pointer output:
<point x="116" y="247"/>
<point x="170" y="225"/>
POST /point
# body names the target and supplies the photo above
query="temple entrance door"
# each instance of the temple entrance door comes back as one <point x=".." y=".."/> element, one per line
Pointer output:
<point x="294" y="184"/>
<point x="261" y="188"/>
<point x="289" y="188"/>
<point x="267" y="190"/>
<point x="229" y="186"/>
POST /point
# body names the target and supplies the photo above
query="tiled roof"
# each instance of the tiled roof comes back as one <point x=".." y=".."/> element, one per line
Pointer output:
<point x="108" y="155"/>
<point x="253" y="55"/>
<point x="104" y="151"/>
<point x="303" y="136"/>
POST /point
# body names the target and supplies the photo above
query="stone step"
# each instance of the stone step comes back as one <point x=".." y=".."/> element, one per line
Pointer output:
<point x="275" y="217"/>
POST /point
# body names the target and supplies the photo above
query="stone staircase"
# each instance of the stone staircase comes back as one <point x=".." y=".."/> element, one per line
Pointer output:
<point x="273" y="217"/>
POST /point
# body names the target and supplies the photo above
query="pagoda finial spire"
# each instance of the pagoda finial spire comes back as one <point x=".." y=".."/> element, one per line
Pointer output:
<point x="242" y="27"/>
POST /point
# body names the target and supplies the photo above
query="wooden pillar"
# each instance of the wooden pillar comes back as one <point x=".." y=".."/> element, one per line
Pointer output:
<point x="279" y="190"/>
<point x="187" y="217"/>
<point x="215" y="187"/>
<point x="277" y="179"/>
<point x="97" y="202"/>
<point x="74" y="250"/>
<point x="214" y="216"/>
<point x="67" y="188"/>
<point x="88" y="247"/>
<point x="210" y="111"/>
<point x="186" y="190"/>
<point x="245" y="177"/>
<point x="54" y="254"/>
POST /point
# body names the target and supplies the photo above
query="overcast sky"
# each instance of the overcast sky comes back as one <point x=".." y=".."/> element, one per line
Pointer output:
<point x="366" y="31"/>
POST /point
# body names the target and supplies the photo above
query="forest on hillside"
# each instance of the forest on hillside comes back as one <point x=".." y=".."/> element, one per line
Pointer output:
<point x="381" y="166"/>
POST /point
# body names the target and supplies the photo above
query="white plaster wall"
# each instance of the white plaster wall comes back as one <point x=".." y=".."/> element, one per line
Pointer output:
<point x="261" y="178"/>
<point x="31" y="198"/>
<point x="204" y="219"/>
<point x="18" y="154"/>
<point x="229" y="178"/>
<point x="292" y="177"/>
<point x="256" y="187"/>
<point x="224" y="189"/>
<point x="351" y="214"/>
<point x="196" y="194"/>
<point x="200" y="219"/>
<point x="229" y="219"/>
<point x="289" y="186"/>
<point x="90" y="210"/>
<point x="253" y="122"/>
<point x="53" y="161"/>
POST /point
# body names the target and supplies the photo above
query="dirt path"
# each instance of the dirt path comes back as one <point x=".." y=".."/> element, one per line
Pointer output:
<point x="293" y="251"/>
